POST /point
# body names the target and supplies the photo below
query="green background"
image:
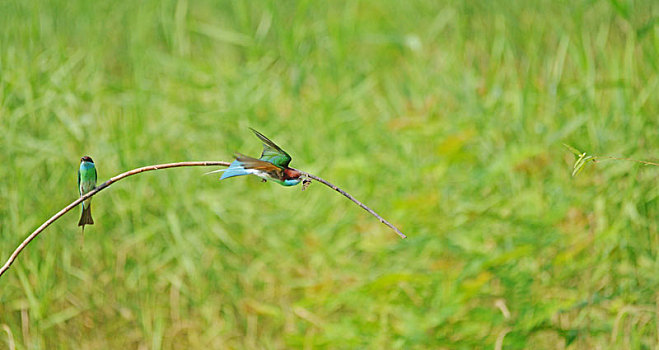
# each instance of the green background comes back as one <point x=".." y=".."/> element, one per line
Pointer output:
<point x="445" y="117"/>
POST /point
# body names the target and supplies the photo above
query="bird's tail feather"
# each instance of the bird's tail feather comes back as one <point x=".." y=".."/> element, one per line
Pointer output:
<point x="235" y="171"/>
<point x="236" y="168"/>
<point x="86" y="217"/>
<point x="215" y="171"/>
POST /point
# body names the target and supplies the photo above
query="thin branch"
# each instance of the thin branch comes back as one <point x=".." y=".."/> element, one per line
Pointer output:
<point x="106" y="184"/>
<point x="98" y="189"/>
<point x="347" y="195"/>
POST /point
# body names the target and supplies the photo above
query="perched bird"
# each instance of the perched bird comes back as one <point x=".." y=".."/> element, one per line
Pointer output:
<point x="273" y="165"/>
<point x="86" y="183"/>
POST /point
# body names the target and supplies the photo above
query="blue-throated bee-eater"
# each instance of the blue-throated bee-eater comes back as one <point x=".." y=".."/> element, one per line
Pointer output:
<point x="273" y="165"/>
<point x="86" y="183"/>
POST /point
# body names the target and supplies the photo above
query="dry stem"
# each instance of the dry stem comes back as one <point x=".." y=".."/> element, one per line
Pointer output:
<point x="106" y="184"/>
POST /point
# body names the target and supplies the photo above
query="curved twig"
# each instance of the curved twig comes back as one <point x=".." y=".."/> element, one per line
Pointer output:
<point x="347" y="195"/>
<point x="109" y="182"/>
<point x="98" y="189"/>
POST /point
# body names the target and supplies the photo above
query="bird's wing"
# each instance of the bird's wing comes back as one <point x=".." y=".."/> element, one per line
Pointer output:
<point x="271" y="169"/>
<point x="271" y="152"/>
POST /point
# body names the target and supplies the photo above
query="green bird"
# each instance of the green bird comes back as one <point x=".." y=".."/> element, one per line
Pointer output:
<point x="86" y="183"/>
<point x="273" y="165"/>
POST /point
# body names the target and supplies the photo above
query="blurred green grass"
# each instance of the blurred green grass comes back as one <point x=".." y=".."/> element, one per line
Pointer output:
<point x="446" y="117"/>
